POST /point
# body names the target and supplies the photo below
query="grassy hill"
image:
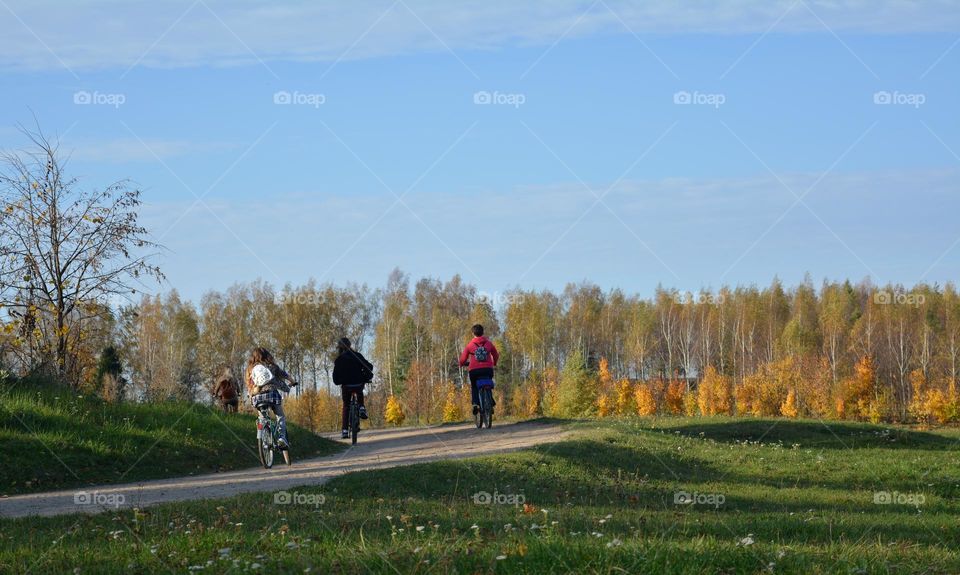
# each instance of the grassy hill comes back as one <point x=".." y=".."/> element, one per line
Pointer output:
<point x="53" y="439"/>
<point x="767" y="496"/>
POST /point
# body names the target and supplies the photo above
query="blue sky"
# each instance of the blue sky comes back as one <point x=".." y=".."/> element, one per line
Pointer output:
<point x="587" y="165"/>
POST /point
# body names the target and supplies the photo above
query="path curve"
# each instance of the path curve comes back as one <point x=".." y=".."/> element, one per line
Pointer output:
<point x="375" y="450"/>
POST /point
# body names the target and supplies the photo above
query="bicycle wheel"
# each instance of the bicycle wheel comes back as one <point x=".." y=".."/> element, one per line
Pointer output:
<point x="478" y="416"/>
<point x="354" y="422"/>
<point x="487" y="407"/>
<point x="265" y="447"/>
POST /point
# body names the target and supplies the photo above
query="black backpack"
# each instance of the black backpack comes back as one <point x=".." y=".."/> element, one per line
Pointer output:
<point x="366" y="370"/>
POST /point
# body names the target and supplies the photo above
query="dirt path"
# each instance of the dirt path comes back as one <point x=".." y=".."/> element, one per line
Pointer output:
<point x="376" y="449"/>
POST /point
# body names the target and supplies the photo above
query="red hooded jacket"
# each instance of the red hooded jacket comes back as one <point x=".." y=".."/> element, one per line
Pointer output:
<point x="468" y="353"/>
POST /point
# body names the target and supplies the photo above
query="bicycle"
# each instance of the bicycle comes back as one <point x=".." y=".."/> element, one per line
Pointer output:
<point x="354" y="417"/>
<point x="484" y="415"/>
<point x="268" y="435"/>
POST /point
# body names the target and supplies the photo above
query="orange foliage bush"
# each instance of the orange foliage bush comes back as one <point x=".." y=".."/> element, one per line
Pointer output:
<point x="533" y="398"/>
<point x="674" y="396"/>
<point x="646" y="399"/>
<point x="859" y="392"/>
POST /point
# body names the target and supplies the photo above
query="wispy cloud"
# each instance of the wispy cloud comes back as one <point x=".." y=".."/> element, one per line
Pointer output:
<point x="54" y="34"/>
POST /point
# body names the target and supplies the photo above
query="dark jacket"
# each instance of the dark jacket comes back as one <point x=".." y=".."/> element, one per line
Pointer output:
<point x="351" y="369"/>
<point x="227" y="389"/>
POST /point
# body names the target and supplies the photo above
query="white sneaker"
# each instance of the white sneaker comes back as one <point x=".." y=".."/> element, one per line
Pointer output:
<point x="344" y="434"/>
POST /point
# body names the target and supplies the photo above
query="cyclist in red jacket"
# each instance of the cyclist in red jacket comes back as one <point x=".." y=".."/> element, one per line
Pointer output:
<point x="481" y="356"/>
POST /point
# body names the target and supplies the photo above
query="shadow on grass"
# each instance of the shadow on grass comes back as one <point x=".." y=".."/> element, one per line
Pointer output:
<point x="621" y="467"/>
<point x="817" y="434"/>
<point x="617" y="458"/>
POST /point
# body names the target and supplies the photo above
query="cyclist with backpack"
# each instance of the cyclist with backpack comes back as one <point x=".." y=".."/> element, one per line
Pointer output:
<point x="351" y="371"/>
<point x="481" y="356"/>
<point x="265" y="380"/>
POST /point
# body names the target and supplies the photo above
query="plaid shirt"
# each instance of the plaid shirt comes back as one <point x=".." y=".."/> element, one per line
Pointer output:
<point x="268" y="397"/>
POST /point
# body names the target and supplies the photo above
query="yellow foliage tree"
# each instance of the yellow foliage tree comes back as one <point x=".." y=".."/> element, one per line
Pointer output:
<point x="918" y="400"/>
<point x="789" y="407"/>
<point x="518" y="396"/>
<point x="953" y="402"/>
<point x="840" y="408"/>
<point x="816" y="388"/>
<point x="715" y="393"/>
<point x="534" y="397"/>
<point x="451" y="407"/>
<point x="605" y="406"/>
<point x="606" y="402"/>
<point x="394" y="411"/>
<point x="765" y="392"/>
<point x="942" y="407"/>
<point x="880" y="408"/>
<point x="747" y="394"/>
<point x="622" y="394"/>
<point x="604" y="372"/>
<point x="501" y="402"/>
<point x="689" y="403"/>
<point x="551" y="398"/>
<point x="935" y="404"/>
<point x="860" y="390"/>
<point x="315" y="410"/>
<point x="645" y="399"/>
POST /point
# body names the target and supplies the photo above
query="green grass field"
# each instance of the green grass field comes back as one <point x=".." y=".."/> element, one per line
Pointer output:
<point x="52" y="439"/>
<point x="768" y="497"/>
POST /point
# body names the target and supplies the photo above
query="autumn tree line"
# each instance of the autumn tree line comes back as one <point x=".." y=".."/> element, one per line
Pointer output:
<point x="834" y="351"/>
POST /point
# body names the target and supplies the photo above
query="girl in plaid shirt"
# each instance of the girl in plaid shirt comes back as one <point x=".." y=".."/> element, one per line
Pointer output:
<point x="267" y="395"/>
